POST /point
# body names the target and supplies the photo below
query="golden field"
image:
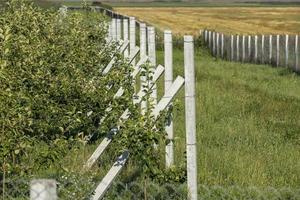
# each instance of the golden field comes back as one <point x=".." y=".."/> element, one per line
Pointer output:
<point x="247" y="20"/>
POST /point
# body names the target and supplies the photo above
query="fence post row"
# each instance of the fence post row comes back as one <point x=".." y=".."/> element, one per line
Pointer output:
<point x="168" y="52"/>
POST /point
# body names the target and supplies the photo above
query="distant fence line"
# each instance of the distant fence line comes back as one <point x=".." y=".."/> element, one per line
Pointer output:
<point x="276" y="50"/>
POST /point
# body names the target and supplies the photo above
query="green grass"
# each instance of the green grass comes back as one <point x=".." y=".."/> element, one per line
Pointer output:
<point x="248" y="123"/>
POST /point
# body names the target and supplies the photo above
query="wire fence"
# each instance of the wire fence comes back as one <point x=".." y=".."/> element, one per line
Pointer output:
<point x="67" y="190"/>
<point x="276" y="50"/>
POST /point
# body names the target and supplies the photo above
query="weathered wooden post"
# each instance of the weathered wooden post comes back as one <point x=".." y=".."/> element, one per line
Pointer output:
<point x="114" y="29"/>
<point x="270" y="49"/>
<point x="132" y="36"/>
<point x="296" y="53"/>
<point x="277" y="50"/>
<point x="119" y="29"/>
<point x="143" y="53"/>
<point x="231" y="47"/>
<point x="255" y="48"/>
<point x="262" y="49"/>
<point x="249" y="48"/>
<point x="222" y="47"/>
<point x="43" y="189"/>
<point x="190" y="117"/>
<point x="125" y="36"/>
<point x="218" y="46"/>
<point x="237" y="48"/>
<point x="286" y="50"/>
<point x="168" y="51"/>
<point x="152" y="59"/>
<point x="243" y="48"/>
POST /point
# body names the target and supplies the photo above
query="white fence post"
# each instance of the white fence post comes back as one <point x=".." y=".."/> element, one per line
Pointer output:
<point x="222" y="48"/>
<point x="262" y="49"/>
<point x="205" y="36"/>
<point x="256" y="48"/>
<point x="231" y="47"/>
<point x="218" y="46"/>
<point x="43" y="189"/>
<point x="214" y="43"/>
<point x="125" y="36"/>
<point x="286" y="50"/>
<point x="168" y="51"/>
<point x="152" y="58"/>
<point x="243" y="47"/>
<point x="143" y="53"/>
<point x="190" y="117"/>
<point x="277" y="50"/>
<point x="132" y="37"/>
<point x="296" y="53"/>
<point x="249" y="47"/>
<point x="237" y="48"/>
<point x="114" y="29"/>
<point x="209" y="40"/>
<point x="270" y="49"/>
<point x="119" y="30"/>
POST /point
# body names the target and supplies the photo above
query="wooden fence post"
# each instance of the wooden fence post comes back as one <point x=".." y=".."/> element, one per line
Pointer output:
<point x="190" y="117"/>
<point x="143" y="53"/>
<point x="231" y="47"/>
<point x="114" y="29"/>
<point x="270" y="49"/>
<point x="286" y="50"/>
<point x="237" y="48"/>
<point x="256" y="48"/>
<point x="217" y="48"/>
<point x="132" y="37"/>
<point x="249" y="48"/>
<point x="168" y="51"/>
<point x="262" y="49"/>
<point x="125" y="36"/>
<point x="119" y="29"/>
<point x="243" y="47"/>
<point x="277" y="50"/>
<point x="296" y="53"/>
<point x="43" y="189"/>
<point x="152" y="58"/>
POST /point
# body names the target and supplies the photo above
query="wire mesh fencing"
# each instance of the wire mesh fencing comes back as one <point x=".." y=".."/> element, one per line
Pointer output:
<point x="276" y="50"/>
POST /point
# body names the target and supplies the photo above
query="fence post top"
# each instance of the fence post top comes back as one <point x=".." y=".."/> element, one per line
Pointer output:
<point x="167" y="32"/>
<point x="188" y="38"/>
<point x="132" y="18"/>
<point x="143" y="25"/>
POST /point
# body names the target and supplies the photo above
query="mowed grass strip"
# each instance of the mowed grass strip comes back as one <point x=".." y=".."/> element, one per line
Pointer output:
<point x="236" y="20"/>
<point x="248" y="123"/>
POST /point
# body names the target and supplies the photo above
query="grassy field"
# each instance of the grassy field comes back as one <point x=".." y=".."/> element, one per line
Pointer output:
<point x="248" y="123"/>
<point x="247" y="20"/>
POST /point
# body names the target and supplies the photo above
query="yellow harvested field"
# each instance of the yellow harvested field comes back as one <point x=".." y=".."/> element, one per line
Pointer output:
<point x="242" y="20"/>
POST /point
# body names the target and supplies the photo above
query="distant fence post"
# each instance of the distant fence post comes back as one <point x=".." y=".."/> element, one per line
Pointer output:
<point x="43" y="189"/>
<point x="143" y="53"/>
<point x="296" y="54"/>
<point x="270" y="49"/>
<point x="190" y="117"/>
<point x="152" y="58"/>
<point x="243" y="47"/>
<point x="256" y="48"/>
<point x="222" y="47"/>
<point x="231" y="47"/>
<point x="286" y="50"/>
<point x="110" y="31"/>
<point x="237" y="48"/>
<point x="214" y="44"/>
<point x="205" y="36"/>
<point x="277" y="50"/>
<point x="132" y="36"/>
<point x="249" y="47"/>
<point x="262" y="49"/>
<point x="125" y="36"/>
<point x="218" y="46"/>
<point x="209" y="40"/>
<point x="114" y="29"/>
<point x="119" y="29"/>
<point x="168" y="54"/>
